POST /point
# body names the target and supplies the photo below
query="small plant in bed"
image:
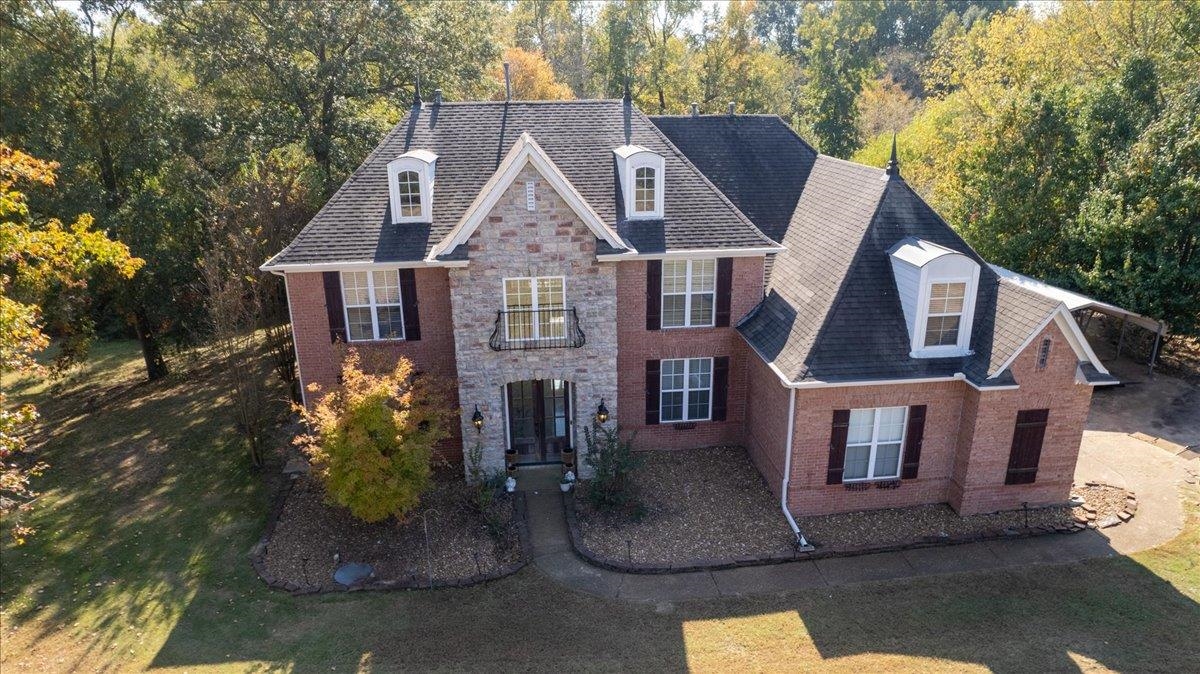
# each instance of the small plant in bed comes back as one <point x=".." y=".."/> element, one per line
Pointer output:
<point x="485" y="488"/>
<point x="371" y="439"/>
<point x="613" y="463"/>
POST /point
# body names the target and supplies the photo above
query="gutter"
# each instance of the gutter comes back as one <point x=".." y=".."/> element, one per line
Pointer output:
<point x="802" y="544"/>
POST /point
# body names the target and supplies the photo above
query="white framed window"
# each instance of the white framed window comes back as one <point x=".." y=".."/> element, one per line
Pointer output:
<point x="535" y="308"/>
<point x="642" y="179"/>
<point x="371" y="300"/>
<point x="410" y="186"/>
<point x="685" y="389"/>
<point x="875" y="443"/>
<point x="689" y="293"/>
<point x="945" y="310"/>
<point x="645" y="182"/>
<point x="408" y="193"/>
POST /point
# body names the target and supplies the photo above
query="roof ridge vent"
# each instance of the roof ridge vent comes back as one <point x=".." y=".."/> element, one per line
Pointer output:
<point x="695" y="109"/>
<point x="732" y="107"/>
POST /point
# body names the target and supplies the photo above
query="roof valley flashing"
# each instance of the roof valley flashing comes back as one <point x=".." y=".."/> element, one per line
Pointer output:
<point x="729" y="185"/>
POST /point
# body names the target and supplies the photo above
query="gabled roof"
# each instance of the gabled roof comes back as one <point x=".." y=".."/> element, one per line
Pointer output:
<point x="524" y="151"/>
<point x="472" y="139"/>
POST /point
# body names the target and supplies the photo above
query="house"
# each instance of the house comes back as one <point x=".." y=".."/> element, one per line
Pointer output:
<point x="709" y="280"/>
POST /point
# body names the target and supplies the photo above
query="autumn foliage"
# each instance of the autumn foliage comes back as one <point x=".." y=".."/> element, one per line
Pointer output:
<point x="371" y="439"/>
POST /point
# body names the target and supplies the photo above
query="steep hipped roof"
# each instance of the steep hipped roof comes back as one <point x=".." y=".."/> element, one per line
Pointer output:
<point x="832" y="311"/>
<point x="471" y="140"/>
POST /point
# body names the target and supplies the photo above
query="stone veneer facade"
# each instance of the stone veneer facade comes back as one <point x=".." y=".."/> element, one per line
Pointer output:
<point x="514" y="242"/>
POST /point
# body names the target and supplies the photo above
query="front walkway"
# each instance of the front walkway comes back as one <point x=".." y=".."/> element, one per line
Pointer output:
<point x="1153" y="474"/>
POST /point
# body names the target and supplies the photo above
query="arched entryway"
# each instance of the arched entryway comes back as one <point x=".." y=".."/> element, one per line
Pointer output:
<point x="539" y="419"/>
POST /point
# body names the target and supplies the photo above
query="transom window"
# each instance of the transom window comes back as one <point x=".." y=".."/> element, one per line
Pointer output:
<point x="644" y="180"/>
<point x="373" y="308"/>
<point x="689" y="290"/>
<point x="535" y="308"/>
<point x="945" y="313"/>
<point x="409" y="185"/>
<point x="685" y="390"/>
<point x="874" y="443"/>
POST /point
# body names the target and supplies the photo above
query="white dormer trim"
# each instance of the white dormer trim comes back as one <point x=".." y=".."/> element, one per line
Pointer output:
<point x="917" y="265"/>
<point x="524" y="151"/>
<point x="630" y="158"/>
<point x="423" y="163"/>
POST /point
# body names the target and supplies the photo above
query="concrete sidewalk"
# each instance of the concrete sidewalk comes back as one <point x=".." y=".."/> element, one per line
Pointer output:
<point x="1153" y="474"/>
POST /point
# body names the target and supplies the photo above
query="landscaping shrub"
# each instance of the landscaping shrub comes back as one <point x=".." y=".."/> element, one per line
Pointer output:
<point x="371" y="440"/>
<point x="613" y="462"/>
<point x="483" y="488"/>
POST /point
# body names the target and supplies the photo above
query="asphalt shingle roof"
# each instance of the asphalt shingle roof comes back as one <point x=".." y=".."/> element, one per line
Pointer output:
<point x="471" y="139"/>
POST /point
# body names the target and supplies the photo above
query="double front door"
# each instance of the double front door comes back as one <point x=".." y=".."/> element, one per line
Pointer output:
<point x="539" y="425"/>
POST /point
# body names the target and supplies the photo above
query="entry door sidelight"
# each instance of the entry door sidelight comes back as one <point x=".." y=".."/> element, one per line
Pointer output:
<point x="539" y="419"/>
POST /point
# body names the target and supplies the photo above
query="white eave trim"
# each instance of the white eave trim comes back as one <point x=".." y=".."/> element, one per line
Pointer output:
<point x="817" y="383"/>
<point x="697" y="254"/>
<point x="525" y="150"/>
<point x="1066" y="323"/>
<point x="358" y="266"/>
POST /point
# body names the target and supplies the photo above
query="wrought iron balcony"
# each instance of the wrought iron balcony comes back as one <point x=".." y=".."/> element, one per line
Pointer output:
<point x="518" y="329"/>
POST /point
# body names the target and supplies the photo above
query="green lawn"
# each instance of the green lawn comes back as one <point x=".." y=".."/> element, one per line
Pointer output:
<point x="149" y="511"/>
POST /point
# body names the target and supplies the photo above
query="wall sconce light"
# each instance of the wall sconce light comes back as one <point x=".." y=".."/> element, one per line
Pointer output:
<point x="601" y="412"/>
<point x="477" y="420"/>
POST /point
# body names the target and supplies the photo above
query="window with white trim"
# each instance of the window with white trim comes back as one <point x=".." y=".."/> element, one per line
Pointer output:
<point x="372" y="305"/>
<point x="875" y="443"/>
<point x="946" y="301"/>
<point x="408" y="191"/>
<point x="535" y="308"/>
<point x="689" y="293"/>
<point x="685" y="390"/>
<point x="645" y="180"/>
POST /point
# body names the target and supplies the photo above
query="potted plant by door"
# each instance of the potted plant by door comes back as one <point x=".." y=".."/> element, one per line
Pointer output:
<point x="568" y="458"/>
<point x="565" y="484"/>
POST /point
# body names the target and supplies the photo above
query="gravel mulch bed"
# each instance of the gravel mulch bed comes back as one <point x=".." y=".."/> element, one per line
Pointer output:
<point x="709" y="505"/>
<point x="310" y="532"/>
<point x="902" y="525"/>
<point x="700" y="504"/>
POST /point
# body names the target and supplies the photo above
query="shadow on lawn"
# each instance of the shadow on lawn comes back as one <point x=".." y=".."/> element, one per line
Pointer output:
<point x="146" y="489"/>
<point x="1113" y="611"/>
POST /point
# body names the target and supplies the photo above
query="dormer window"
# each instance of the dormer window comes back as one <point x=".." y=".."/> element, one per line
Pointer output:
<point x="641" y="175"/>
<point x="410" y="185"/>
<point x="946" y="301"/>
<point x="937" y="289"/>
<point x="644" y="190"/>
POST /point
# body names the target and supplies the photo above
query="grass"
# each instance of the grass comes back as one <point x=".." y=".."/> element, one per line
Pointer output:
<point x="149" y="511"/>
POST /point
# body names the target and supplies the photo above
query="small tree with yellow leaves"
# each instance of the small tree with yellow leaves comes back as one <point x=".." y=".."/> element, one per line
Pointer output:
<point x="371" y="439"/>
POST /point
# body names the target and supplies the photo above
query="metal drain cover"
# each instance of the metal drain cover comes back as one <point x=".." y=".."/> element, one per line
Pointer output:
<point x="351" y="574"/>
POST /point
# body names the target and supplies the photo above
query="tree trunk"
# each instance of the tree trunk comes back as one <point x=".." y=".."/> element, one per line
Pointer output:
<point x="156" y="365"/>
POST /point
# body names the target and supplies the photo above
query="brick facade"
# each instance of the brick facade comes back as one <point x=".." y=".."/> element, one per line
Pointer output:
<point x="636" y="345"/>
<point x="968" y="435"/>
<point x="319" y="360"/>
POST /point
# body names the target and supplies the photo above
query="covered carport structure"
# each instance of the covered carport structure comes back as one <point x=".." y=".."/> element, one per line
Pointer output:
<point x="1083" y="308"/>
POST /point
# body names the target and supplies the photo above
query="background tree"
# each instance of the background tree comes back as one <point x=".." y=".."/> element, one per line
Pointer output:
<point x="371" y="439"/>
<point x="532" y="78"/>
<point x="38" y="259"/>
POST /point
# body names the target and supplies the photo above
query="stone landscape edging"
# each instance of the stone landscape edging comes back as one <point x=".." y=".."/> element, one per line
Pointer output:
<point x="258" y="559"/>
<point x="591" y="557"/>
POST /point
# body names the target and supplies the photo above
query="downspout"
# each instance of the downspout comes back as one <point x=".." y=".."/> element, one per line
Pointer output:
<point x="801" y="541"/>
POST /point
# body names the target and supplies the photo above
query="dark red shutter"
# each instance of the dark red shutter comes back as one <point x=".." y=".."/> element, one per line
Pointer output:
<point x="654" y="294"/>
<point x="408" y="300"/>
<point x="653" y="381"/>
<point x="914" y="435"/>
<point x="333" y="305"/>
<point x="720" y="388"/>
<point x="1026" y="446"/>
<point x="724" y="286"/>
<point x="837" y="446"/>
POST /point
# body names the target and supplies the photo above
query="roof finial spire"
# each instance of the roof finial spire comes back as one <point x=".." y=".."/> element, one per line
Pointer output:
<point x="417" y="91"/>
<point x="628" y="95"/>
<point x="893" y="165"/>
